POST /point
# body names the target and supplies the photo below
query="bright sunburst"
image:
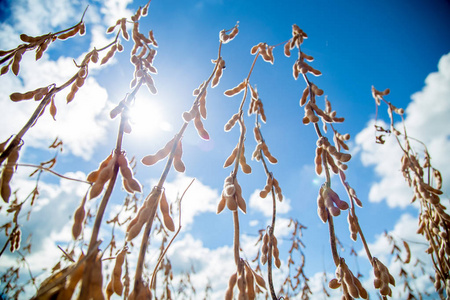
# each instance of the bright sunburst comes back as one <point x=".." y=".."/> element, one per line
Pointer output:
<point x="147" y="118"/>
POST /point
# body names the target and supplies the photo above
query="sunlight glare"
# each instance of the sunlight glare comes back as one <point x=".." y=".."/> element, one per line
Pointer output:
<point x="147" y="118"/>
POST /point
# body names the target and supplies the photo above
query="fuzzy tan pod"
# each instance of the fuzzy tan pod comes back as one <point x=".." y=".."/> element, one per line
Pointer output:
<point x="78" y="219"/>
<point x="7" y="173"/>
<point x="165" y="211"/>
<point x="149" y="160"/>
<point x="130" y="183"/>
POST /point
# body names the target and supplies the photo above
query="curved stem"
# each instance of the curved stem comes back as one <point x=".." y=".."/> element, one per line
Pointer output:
<point x="336" y="257"/>
<point x="53" y="172"/>
<point x="270" y="251"/>
<point x="236" y="237"/>
<point x="138" y="280"/>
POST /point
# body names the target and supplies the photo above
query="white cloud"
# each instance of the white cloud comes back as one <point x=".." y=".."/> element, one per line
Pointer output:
<point x="405" y="229"/>
<point x="36" y="17"/>
<point x="81" y="124"/>
<point x="211" y="265"/>
<point x="265" y="205"/>
<point x="426" y="120"/>
<point x="114" y="10"/>
<point x="50" y="221"/>
<point x="198" y="199"/>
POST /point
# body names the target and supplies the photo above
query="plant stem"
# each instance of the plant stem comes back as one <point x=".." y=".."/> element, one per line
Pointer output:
<point x="158" y="188"/>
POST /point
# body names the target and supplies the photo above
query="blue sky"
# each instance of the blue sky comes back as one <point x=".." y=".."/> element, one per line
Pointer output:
<point x="356" y="44"/>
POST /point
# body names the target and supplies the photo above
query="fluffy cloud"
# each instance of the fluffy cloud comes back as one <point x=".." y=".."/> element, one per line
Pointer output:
<point x="216" y="269"/>
<point x="35" y="17"/>
<point x="405" y="229"/>
<point x="198" y="199"/>
<point x="45" y="228"/>
<point x="426" y="120"/>
<point x="81" y="124"/>
<point x="114" y="10"/>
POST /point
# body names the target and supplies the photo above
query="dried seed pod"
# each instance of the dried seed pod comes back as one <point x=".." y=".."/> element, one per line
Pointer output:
<point x="94" y="56"/>
<point x="276" y="252"/>
<point x="149" y="160"/>
<point x="220" y="65"/>
<point x="221" y="204"/>
<point x="29" y="39"/>
<point x="243" y="163"/>
<point x="408" y="253"/>
<point x="115" y="283"/>
<point x="187" y="116"/>
<point x="255" y="48"/>
<point x="92" y="177"/>
<point x="127" y="174"/>
<point x="69" y="33"/>
<point x="42" y="47"/>
<point x="266" y="152"/>
<point x="5" y="69"/>
<point x="231" y="283"/>
<point x="96" y="280"/>
<point x="103" y="176"/>
<point x="267" y="188"/>
<point x="7" y="173"/>
<point x="230" y="124"/>
<point x="331" y="163"/>
<point x="236" y="90"/>
<point x="123" y="28"/>
<point x="254" y="92"/>
<point x="16" y="61"/>
<point x="200" y="129"/>
<point x="150" y="84"/>
<point x="267" y="54"/>
<point x="152" y="38"/>
<point x="231" y="203"/>
<point x="382" y="278"/>
<point x="259" y="280"/>
<point x="264" y="248"/>
<point x="287" y="49"/>
<point x="239" y="199"/>
<point x="438" y="178"/>
<point x="304" y="96"/>
<point x="78" y="219"/>
<point x="306" y="57"/>
<point x="353" y="227"/>
<point x="277" y="189"/>
<point x="72" y="93"/>
<point x="295" y="70"/>
<point x="318" y="160"/>
<point x="40" y="93"/>
<point x="202" y="104"/>
<point x="223" y="36"/>
<point x="321" y="209"/>
<point x="177" y="162"/>
<point x="29" y="95"/>
<point x="334" y="284"/>
<point x="109" y="54"/>
<point x="164" y="207"/>
<point x="242" y="285"/>
<point x="231" y="158"/>
<point x="135" y="226"/>
<point x="251" y="294"/>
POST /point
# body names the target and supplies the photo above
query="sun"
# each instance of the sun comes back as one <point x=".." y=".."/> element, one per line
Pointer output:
<point x="147" y="118"/>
